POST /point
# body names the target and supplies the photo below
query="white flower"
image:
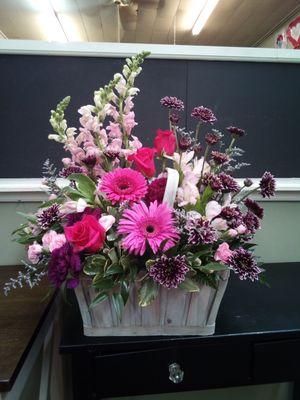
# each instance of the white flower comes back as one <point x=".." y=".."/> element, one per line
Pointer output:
<point x="212" y="209"/>
<point x="107" y="221"/>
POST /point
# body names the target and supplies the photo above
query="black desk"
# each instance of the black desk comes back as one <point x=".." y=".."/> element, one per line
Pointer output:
<point x="257" y="340"/>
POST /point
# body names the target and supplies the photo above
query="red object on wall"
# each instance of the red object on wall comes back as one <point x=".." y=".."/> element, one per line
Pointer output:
<point x="293" y="33"/>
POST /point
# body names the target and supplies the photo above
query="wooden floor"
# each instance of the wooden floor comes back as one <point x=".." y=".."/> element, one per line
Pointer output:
<point x="21" y="314"/>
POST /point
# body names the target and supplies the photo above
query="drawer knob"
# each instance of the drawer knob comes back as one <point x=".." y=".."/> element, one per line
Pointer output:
<point x="175" y="373"/>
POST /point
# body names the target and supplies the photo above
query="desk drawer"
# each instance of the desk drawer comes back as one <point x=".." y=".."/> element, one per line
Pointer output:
<point x="145" y="372"/>
<point x="277" y="361"/>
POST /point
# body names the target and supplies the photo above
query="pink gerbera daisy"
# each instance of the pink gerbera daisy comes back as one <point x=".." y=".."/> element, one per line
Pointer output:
<point x="123" y="184"/>
<point x="152" y="225"/>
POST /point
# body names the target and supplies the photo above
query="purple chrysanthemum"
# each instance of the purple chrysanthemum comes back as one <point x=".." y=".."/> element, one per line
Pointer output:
<point x="64" y="262"/>
<point x="65" y="172"/>
<point x="232" y="215"/>
<point x="254" y="207"/>
<point x="237" y="132"/>
<point x="213" y="181"/>
<point x="199" y="231"/>
<point x="174" y="118"/>
<point x="169" y="271"/>
<point x="197" y="148"/>
<point x="156" y="190"/>
<point x="72" y="218"/>
<point x="89" y="161"/>
<point x="242" y="263"/>
<point x="185" y="142"/>
<point x="172" y="102"/>
<point x="219" y="158"/>
<point x="204" y="114"/>
<point x="251" y="222"/>
<point x="48" y="216"/>
<point x="267" y="185"/>
<point x="229" y="183"/>
<point x="212" y="138"/>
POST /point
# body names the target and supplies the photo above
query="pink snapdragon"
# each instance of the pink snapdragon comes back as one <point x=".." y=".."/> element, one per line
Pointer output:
<point x="129" y="122"/>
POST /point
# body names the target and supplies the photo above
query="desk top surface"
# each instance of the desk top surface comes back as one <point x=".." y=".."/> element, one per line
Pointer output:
<point x="247" y="310"/>
<point x="22" y="313"/>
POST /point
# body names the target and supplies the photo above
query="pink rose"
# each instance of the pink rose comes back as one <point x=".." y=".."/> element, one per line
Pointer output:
<point x="144" y="161"/>
<point x="165" y="142"/>
<point x="53" y="240"/>
<point x="86" y="234"/>
<point x="223" y="253"/>
<point x="241" y="229"/>
<point x="34" y="252"/>
<point x="232" y="233"/>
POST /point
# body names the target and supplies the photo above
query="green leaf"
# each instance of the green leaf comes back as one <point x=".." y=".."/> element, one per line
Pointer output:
<point x="118" y="304"/>
<point x="133" y="272"/>
<point x="201" y="253"/>
<point x="188" y="285"/>
<point x="85" y="185"/>
<point x="125" y="262"/>
<point x="72" y="193"/>
<point x="94" y="265"/>
<point x="147" y="292"/>
<point x="205" y="198"/>
<point x="207" y="279"/>
<point x="29" y="217"/>
<point x="214" y="266"/>
<point x="112" y="236"/>
<point x="112" y="254"/>
<point x="124" y="286"/>
<point x="98" y="299"/>
<point x="49" y="203"/>
<point x="113" y="269"/>
<point x="103" y="283"/>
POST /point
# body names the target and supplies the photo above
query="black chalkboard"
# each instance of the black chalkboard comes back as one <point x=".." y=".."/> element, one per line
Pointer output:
<point x="262" y="98"/>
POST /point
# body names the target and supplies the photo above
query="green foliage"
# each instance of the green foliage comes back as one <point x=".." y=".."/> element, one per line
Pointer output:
<point x="85" y="186"/>
<point x="204" y="199"/>
<point x="118" y="303"/>
<point x="148" y="292"/>
<point x="189" y="285"/>
<point x="101" y="296"/>
<point x="94" y="265"/>
<point x="207" y="279"/>
<point x="214" y="266"/>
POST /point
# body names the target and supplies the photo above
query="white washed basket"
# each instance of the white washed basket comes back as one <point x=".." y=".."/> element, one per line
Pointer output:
<point x="174" y="312"/>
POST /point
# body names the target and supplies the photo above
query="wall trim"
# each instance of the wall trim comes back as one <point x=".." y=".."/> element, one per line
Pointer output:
<point x="162" y="51"/>
<point x="32" y="190"/>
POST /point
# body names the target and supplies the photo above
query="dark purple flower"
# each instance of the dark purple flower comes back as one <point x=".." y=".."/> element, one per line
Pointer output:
<point x="229" y="183"/>
<point x="199" y="231"/>
<point x="169" y="271"/>
<point x="185" y="142"/>
<point x="174" y="119"/>
<point x="212" y="138"/>
<point x="232" y="215"/>
<point x="213" y="181"/>
<point x="65" y="172"/>
<point x="77" y="216"/>
<point x="63" y="263"/>
<point x="48" y="216"/>
<point x="203" y="114"/>
<point x="172" y="102"/>
<point x="251" y="222"/>
<point x="237" y="132"/>
<point x="254" y="207"/>
<point x="89" y="161"/>
<point x="156" y="190"/>
<point x="242" y="263"/>
<point x="197" y="148"/>
<point x="248" y="182"/>
<point x="219" y="158"/>
<point x="267" y="185"/>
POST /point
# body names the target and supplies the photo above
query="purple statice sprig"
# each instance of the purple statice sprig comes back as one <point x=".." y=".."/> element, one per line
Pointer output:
<point x="50" y="177"/>
<point x="30" y="277"/>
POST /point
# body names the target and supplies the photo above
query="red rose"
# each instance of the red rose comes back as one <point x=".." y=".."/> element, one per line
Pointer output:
<point x="144" y="161"/>
<point x="86" y="234"/>
<point x="165" y="142"/>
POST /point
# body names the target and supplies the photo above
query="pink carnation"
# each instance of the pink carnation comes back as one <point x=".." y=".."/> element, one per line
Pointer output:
<point x="53" y="240"/>
<point x="144" y="225"/>
<point x="123" y="184"/>
<point x="223" y="253"/>
<point x="34" y="252"/>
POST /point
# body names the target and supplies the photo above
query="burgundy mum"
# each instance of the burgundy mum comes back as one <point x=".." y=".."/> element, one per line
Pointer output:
<point x="204" y="115"/>
<point x="267" y="185"/>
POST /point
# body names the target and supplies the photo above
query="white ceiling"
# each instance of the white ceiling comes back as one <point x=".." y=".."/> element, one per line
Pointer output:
<point x="233" y="22"/>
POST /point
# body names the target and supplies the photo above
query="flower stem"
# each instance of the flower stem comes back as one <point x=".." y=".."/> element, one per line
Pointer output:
<point x="204" y="159"/>
<point x="197" y="131"/>
<point x="247" y="194"/>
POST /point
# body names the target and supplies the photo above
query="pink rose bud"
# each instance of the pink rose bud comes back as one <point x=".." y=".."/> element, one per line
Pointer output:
<point x="241" y="229"/>
<point x="34" y="252"/>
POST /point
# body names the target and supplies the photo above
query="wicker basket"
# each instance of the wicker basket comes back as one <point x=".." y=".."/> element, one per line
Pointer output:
<point x="173" y="312"/>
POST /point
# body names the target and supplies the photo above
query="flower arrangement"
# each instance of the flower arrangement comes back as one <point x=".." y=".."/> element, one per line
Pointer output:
<point x="169" y="216"/>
